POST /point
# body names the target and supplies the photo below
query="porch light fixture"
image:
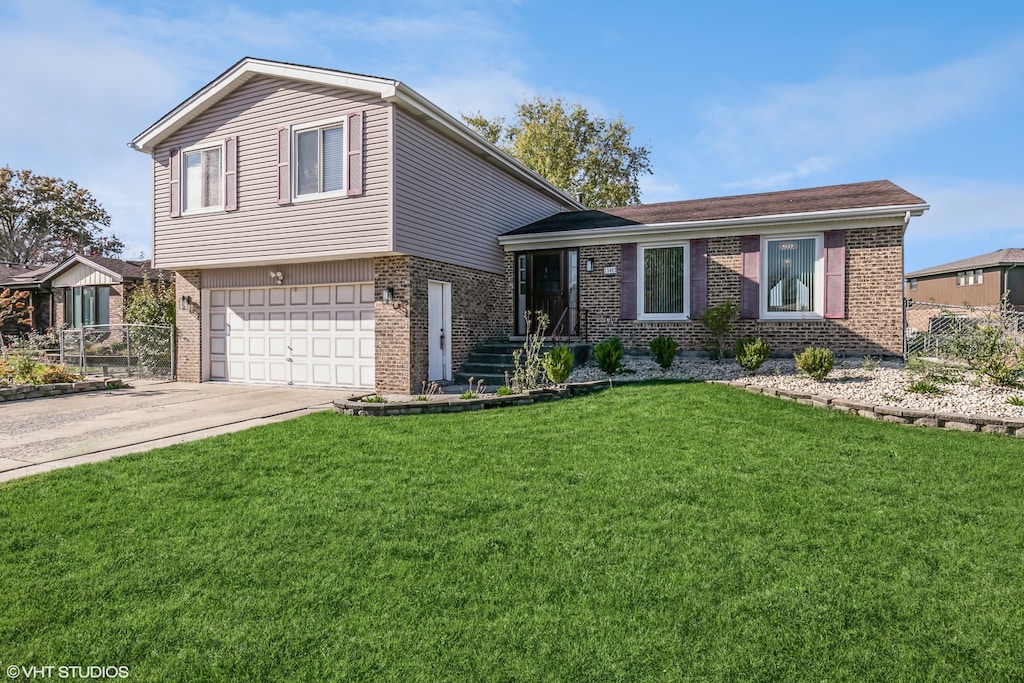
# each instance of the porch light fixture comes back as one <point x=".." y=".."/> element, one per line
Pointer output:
<point x="276" y="277"/>
<point x="387" y="297"/>
<point x="185" y="303"/>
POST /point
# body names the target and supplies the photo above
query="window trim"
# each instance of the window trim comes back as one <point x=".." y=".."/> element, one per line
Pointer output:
<point x="818" y="312"/>
<point x="641" y="280"/>
<point x="293" y="154"/>
<point x="183" y="183"/>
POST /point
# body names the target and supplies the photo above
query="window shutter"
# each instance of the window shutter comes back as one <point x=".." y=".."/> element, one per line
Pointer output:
<point x="284" y="174"/>
<point x="750" y="294"/>
<point x="627" y="282"/>
<point x="835" y="274"/>
<point x="174" y="187"/>
<point x="698" y="276"/>
<point x="354" y="167"/>
<point x="231" y="174"/>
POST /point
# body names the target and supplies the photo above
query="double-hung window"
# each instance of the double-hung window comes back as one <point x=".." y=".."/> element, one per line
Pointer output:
<point x="793" y="277"/>
<point x="202" y="179"/>
<point x="319" y="157"/>
<point x="662" y="277"/>
<point x="86" y="306"/>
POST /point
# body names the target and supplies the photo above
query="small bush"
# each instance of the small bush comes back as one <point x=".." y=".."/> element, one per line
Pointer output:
<point x="503" y="391"/>
<point x="1015" y="401"/>
<point x="815" y="362"/>
<point x="926" y="386"/>
<point x="608" y="355"/>
<point x="53" y="374"/>
<point x="751" y="353"/>
<point x="664" y="350"/>
<point x="557" y="364"/>
<point x="718" y="320"/>
<point x="375" y="398"/>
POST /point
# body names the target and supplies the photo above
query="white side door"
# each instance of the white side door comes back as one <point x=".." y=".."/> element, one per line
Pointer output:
<point x="439" y="323"/>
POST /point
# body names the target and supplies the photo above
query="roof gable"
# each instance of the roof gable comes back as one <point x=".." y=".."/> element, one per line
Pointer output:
<point x="1000" y="257"/>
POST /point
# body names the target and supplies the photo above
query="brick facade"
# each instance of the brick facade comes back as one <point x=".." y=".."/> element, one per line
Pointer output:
<point x="188" y="341"/>
<point x="401" y="330"/>
<point x="874" y="300"/>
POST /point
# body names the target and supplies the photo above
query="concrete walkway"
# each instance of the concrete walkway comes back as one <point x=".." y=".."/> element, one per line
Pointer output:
<point x="40" y="435"/>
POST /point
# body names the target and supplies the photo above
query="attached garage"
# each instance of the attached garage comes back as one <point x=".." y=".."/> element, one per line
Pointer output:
<point x="320" y="335"/>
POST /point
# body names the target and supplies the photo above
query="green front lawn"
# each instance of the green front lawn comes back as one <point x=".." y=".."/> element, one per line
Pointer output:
<point x="662" y="533"/>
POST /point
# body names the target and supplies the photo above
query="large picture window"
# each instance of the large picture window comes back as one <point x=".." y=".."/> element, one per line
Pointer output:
<point x="662" y="275"/>
<point x="320" y="160"/>
<point x="86" y="306"/>
<point x="202" y="180"/>
<point x="792" y="286"/>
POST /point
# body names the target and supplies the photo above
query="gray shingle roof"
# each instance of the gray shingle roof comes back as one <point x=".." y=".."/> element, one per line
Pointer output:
<point x="877" y="193"/>
<point x="994" y="258"/>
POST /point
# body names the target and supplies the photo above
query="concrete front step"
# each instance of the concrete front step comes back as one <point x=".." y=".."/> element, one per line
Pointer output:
<point x="491" y="381"/>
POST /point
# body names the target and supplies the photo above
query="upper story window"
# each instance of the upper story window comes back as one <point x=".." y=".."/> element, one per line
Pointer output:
<point x="793" y="270"/>
<point x="913" y="282"/>
<point x="319" y="160"/>
<point x="662" y="276"/>
<point x="969" y="277"/>
<point x="202" y="179"/>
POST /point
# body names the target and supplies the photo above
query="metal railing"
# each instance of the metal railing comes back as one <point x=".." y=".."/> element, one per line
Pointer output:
<point x="119" y="350"/>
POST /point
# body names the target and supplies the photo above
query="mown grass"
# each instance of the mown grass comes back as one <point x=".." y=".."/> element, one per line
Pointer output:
<point x="661" y="533"/>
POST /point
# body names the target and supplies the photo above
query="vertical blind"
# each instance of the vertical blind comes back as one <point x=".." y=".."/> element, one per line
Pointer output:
<point x="791" y="265"/>
<point x="664" y="280"/>
<point x="334" y="157"/>
<point x="307" y="162"/>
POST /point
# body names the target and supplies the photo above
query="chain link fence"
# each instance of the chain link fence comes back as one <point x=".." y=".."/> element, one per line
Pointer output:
<point x="119" y="350"/>
<point x="933" y="330"/>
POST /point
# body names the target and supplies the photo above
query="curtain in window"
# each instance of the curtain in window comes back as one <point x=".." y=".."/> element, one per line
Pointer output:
<point x="308" y="162"/>
<point x="211" y="177"/>
<point x="664" y="283"/>
<point x="334" y="159"/>
<point x="791" y="275"/>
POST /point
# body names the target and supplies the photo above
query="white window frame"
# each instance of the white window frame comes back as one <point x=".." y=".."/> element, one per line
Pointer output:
<point x="641" y="279"/>
<point x="961" y="278"/>
<point x="337" y="122"/>
<point x="183" y="181"/>
<point x="819" y="278"/>
<point x="979" y="276"/>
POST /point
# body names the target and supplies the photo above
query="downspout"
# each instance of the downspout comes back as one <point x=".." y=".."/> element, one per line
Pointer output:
<point x="1006" y="284"/>
<point x="903" y="272"/>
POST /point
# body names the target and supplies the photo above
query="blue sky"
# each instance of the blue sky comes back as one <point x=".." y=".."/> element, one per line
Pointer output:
<point x="729" y="97"/>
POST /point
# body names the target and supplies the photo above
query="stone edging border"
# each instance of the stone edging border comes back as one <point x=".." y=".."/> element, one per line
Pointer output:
<point x="27" y="391"/>
<point x="903" y="416"/>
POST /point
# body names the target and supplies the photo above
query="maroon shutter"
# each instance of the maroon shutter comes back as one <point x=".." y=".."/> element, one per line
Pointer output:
<point x="698" y="277"/>
<point x="174" y="187"/>
<point x="284" y="174"/>
<point x="627" y="282"/>
<point x="354" y="167"/>
<point x="750" y="294"/>
<point x="835" y="274"/>
<point x="231" y="174"/>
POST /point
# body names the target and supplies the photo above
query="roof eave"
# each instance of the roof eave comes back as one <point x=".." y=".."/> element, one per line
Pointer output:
<point x="899" y="212"/>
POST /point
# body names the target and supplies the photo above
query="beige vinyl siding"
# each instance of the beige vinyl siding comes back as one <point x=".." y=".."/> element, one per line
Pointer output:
<point x="82" y="275"/>
<point x="353" y="270"/>
<point x="450" y="205"/>
<point x="942" y="289"/>
<point x="261" y="231"/>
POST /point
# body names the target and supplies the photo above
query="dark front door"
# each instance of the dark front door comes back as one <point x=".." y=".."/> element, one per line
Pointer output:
<point x="546" y="284"/>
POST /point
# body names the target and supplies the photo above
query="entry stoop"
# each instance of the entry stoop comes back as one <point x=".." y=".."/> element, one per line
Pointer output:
<point x="491" y="360"/>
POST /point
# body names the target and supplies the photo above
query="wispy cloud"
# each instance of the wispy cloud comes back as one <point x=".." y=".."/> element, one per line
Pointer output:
<point x="787" y="132"/>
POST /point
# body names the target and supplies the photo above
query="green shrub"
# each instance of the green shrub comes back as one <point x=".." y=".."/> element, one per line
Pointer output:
<point x="375" y="398"/>
<point x="53" y="374"/>
<point x="527" y="360"/>
<point x="664" y="350"/>
<point x="816" y="362"/>
<point x="718" y="320"/>
<point x="926" y="386"/>
<point x="503" y="391"/>
<point x="608" y="355"/>
<point x="989" y="345"/>
<point x="1015" y="401"/>
<point x="557" y="364"/>
<point x="751" y="353"/>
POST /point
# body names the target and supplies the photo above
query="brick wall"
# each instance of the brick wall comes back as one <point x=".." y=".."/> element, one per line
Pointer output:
<point x="874" y="300"/>
<point x="188" y="342"/>
<point x="401" y="331"/>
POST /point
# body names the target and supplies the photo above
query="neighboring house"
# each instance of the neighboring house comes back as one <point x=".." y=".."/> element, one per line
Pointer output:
<point x="93" y="290"/>
<point x="331" y="229"/>
<point x="820" y="266"/>
<point x="21" y="278"/>
<point x="334" y="229"/>
<point x="976" y="281"/>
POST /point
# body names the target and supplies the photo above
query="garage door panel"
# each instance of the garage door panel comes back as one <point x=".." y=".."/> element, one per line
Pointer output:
<point x="307" y="335"/>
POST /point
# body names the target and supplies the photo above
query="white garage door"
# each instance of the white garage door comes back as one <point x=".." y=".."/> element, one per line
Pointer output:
<point x="314" y="336"/>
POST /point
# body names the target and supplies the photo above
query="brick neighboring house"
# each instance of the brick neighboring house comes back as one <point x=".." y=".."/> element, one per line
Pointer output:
<point x="25" y="278"/>
<point x="820" y="266"/>
<point x="334" y="229"/>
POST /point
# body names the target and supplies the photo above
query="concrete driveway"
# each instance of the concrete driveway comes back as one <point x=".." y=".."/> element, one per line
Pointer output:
<point x="44" y="434"/>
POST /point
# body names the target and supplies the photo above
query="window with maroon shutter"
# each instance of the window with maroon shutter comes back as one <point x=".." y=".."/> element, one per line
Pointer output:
<point x="354" y="167"/>
<point x="174" y="187"/>
<point x="231" y="174"/>
<point x="284" y="174"/>
<point x="698" y="276"/>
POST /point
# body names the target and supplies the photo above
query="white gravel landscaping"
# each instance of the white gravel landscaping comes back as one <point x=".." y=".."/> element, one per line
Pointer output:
<point x="874" y="383"/>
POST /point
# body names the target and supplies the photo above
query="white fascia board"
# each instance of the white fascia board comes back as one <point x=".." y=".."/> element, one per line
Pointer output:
<point x="731" y="227"/>
<point x="239" y="74"/>
<point x="454" y="128"/>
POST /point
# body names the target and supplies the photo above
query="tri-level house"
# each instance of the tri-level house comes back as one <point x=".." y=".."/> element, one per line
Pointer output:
<point x="334" y="229"/>
<point x="331" y="229"/>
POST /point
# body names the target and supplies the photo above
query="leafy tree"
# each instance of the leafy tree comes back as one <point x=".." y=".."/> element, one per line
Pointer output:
<point x="45" y="220"/>
<point x="151" y="303"/>
<point x="15" y="306"/>
<point x="578" y="152"/>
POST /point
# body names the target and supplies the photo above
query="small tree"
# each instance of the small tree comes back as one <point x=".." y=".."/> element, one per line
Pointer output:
<point x="150" y="312"/>
<point x="718" y="320"/>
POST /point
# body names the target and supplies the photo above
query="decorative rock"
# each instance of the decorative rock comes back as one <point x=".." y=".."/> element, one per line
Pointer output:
<point x="960" y="426"/>
<point x="994" y="429"/>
